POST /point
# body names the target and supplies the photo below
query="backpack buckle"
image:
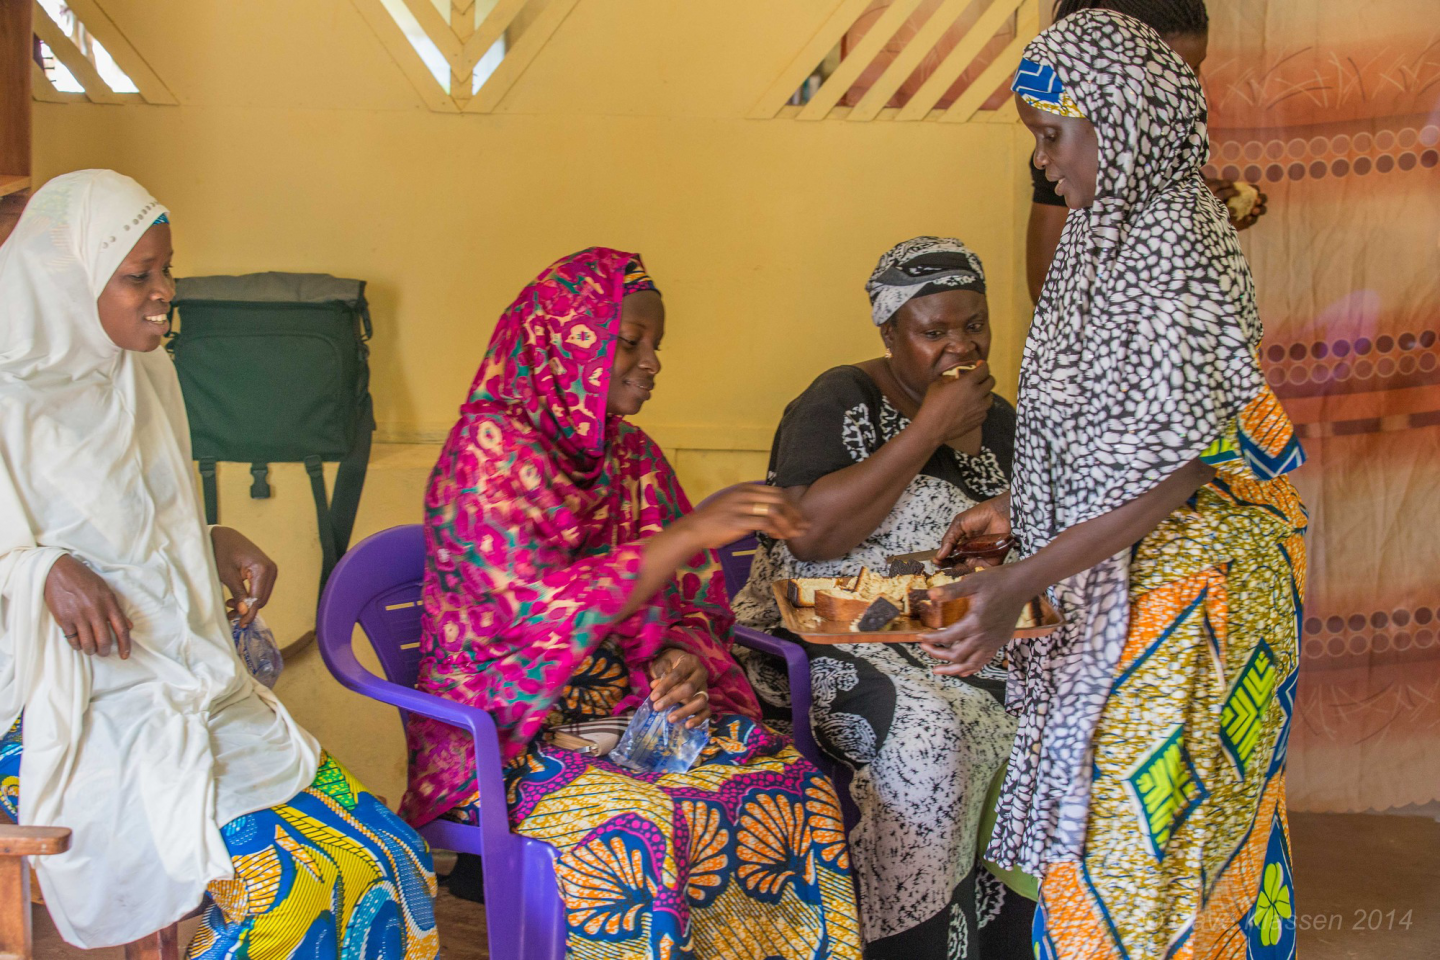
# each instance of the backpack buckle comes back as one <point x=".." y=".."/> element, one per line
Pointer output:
<point x="260" y="477"/>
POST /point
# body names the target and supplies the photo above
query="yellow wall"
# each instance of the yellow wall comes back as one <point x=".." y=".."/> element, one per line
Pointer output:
<point x="299" y="145"/>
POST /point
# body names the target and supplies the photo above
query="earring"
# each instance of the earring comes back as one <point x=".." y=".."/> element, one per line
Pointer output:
<point x="888" y="354"/>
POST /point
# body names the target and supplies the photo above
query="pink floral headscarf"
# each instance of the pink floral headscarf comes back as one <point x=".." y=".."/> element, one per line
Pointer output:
<point x="535" y="518"/>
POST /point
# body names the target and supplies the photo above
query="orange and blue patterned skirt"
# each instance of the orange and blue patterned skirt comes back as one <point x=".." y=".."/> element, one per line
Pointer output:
<point x="1187" y="851"/>
<point x="331" y="873"/>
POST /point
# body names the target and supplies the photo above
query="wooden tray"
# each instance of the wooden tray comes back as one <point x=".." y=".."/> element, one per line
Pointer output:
<point x="805" y="623"/>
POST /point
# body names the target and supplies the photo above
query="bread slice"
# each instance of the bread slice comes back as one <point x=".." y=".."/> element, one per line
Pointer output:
<point x="879" y="615"/>
<point x="869" y="583"/>
<point x="1030" y="616"/>
<point x="1241" y="205"/>
<point x="907" y="568"/>
<point x="954" y="372"/>
<point x="801" y="591"/>
<point x="839" y="604"/>
<point x="936" y="614"/>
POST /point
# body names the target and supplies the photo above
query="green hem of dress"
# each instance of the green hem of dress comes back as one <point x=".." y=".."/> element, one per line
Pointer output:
<point x="1016" y="880"/>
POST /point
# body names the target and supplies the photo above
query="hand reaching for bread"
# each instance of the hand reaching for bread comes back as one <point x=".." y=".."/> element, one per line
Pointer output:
<point x="741" y="510"/>
<point x="955" y="406"/>
<point x="728" y="516"/>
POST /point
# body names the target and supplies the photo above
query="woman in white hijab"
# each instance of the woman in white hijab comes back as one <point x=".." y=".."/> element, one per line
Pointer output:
<point x="142" y="730"/>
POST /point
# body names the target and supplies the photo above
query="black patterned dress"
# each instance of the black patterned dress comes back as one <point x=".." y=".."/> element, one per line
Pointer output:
<point x="922" y="748"/>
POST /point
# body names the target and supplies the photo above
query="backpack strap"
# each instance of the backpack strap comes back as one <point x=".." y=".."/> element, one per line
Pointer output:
<point x="336" y="518"/>
<point x="349" y="482"/>
<point x="212" y="495"/>
<point x="316" y="468"/>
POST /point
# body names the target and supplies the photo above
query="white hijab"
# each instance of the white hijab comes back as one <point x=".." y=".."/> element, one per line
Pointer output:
<point x="145" y="758"/>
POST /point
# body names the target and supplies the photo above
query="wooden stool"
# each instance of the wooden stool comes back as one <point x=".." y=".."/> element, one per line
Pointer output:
<point x="17" y="843"/>
<point x="161" y="945"/>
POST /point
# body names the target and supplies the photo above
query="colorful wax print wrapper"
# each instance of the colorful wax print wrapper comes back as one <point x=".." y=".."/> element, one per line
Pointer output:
<point x="652" y="744"/>
<point x="258" y="650"/>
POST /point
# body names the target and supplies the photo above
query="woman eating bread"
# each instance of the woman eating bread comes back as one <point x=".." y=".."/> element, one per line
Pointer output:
<point x="880" y="456"/>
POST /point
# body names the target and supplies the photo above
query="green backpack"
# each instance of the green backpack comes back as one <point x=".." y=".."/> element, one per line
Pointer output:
<point x="274" y="368"/>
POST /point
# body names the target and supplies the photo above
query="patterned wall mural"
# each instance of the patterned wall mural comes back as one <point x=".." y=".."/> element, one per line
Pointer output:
<point x="1336" y="114"/>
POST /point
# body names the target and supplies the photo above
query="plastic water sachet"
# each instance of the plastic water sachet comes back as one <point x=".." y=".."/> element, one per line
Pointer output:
<point x="258" y="650"/>
<point x="652" y="744"/>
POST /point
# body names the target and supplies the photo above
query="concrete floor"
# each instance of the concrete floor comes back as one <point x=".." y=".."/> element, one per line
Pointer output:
<point x="1368" y="888"/>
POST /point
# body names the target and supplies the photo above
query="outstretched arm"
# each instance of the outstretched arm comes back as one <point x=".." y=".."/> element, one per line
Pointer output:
<point x="735" y="513"/>
<point x="997" y="595"/>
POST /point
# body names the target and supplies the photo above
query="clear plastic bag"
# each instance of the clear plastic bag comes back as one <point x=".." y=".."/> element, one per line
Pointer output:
<point x="652" y="744"/>
<point x="258" y="650"/>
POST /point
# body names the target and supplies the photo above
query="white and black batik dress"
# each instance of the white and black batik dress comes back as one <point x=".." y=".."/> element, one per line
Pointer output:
<point x="922" y="748"/>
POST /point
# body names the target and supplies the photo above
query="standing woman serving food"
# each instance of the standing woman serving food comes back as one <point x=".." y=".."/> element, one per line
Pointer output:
<point x="1146" y="787"/>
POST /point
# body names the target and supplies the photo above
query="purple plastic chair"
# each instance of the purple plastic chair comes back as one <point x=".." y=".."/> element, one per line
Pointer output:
<point x="735" y="562"/>
<point x="377" y="585"/>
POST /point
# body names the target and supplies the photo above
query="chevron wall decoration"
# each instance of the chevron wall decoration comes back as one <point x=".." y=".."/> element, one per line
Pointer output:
<point x="905" y="60"/>
<point x="95" y="53"/>
<point x="463" y="56"/>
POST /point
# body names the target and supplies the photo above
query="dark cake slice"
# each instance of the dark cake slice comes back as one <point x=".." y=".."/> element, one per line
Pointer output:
<point x="877" y="616"/>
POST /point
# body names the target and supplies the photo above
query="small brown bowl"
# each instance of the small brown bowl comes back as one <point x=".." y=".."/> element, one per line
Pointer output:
<point x="991" y="549"/>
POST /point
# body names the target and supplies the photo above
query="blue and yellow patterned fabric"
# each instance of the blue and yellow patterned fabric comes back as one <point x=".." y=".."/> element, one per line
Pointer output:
<point x="743" y="856"/>
<point x="1261" y="440"/>
<point x="1039" y="86"/>
<point x="331" y="873"/>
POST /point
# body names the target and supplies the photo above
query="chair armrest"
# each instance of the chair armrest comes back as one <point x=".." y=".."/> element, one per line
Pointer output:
<point x="759" y="640"/>
<point x="340" y="658"/>
<point x="479" y="722"/>
<point x="797" y="670"/>
<point x="33" y="841"/>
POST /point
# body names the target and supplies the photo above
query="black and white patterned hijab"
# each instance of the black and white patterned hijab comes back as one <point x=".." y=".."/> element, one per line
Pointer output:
<point x="918" y="267"/>
<point x="1140" y="355"/>
<point x="1142" y="347"/>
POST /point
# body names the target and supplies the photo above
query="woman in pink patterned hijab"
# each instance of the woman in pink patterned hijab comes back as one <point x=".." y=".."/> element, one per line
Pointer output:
<point x="567" y="579"/>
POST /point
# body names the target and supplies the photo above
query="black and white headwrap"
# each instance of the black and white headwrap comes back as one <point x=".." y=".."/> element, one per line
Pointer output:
<point x="1141" y="353"/>
<point x="920" y="267"/>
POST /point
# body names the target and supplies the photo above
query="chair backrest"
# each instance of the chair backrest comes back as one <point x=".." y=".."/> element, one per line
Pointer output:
<point x="735" y="561"/>
<point x="381" y="577"/>
<point x="735" y="558"/>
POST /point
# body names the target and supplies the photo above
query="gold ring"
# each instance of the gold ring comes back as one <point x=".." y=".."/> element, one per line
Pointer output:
<point x="705" y="694"/>
<point x="760" y="509"/>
